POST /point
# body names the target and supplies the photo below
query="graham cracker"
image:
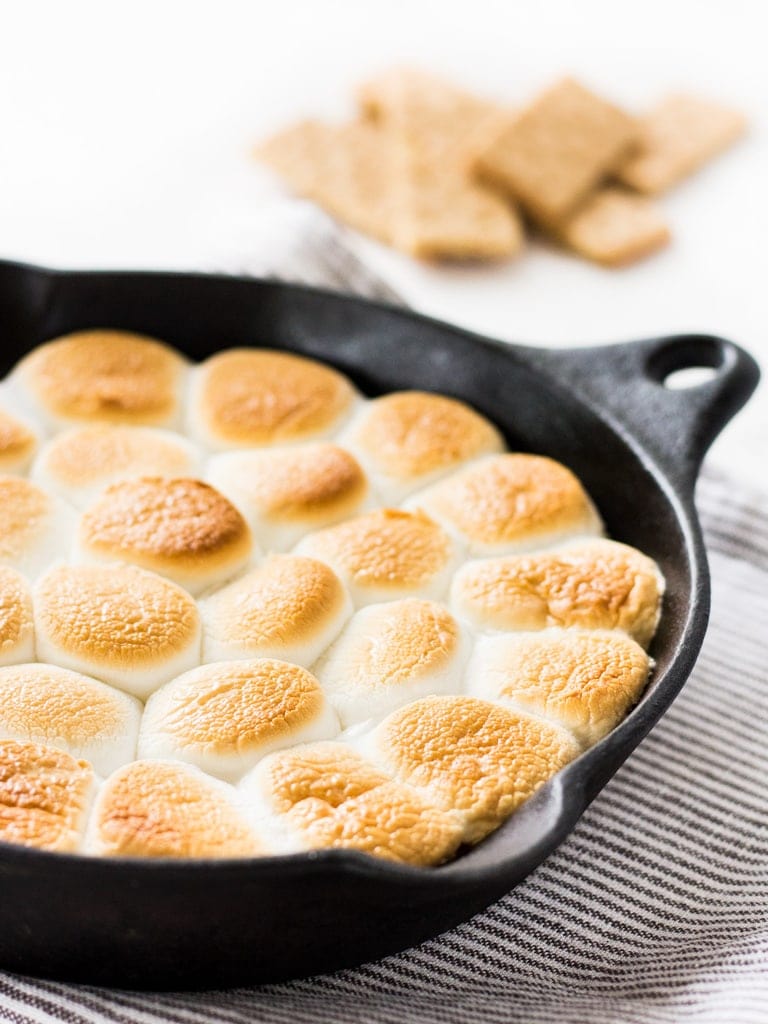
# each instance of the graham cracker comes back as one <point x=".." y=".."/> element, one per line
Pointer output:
<point x="395" y="186"/>
<point x="615" y="227"/>
<point x="557" y="150"/>
<point x="443" y="212"/>
<point x="676" y="138"/>
<point x="463" y="122"/>
<point x="347" y="169"/>
<point x="446" y="217"/>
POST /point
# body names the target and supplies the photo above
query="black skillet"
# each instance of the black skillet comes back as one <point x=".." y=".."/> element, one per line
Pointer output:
<point x="603" y="411"/>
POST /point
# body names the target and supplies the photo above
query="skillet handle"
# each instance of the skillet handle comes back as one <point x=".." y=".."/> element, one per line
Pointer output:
<point x="676" y="425"/>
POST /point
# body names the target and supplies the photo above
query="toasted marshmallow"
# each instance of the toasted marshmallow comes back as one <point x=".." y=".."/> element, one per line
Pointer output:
<point x="325" y="795"/>
<point x="17" y="631"/>
<point x="390" y="654"/>
<point x="124" y="625"/>
<point x="166" y="809"/>
<point x="225" y="716"/>
<point x="386" y="554"/>
<point x="19" y="440"/>
<point x="408" y="439"/>
<point x="507" y="503"/>
<point x="102" y="376"/>
<point x="247" y="398"/>
<point x="53" y="706"/>
<point x="285" y="493"/>
<point x="80" y="463"/>
<point x="35" y="528"/>
<point x="597" y="584"/>
<point x="45" y="795"/>
<point x="584" y="680"/>
<point x="290" y="608"/>
<point x="470" y="756"/>
<point x="180" y="528"/>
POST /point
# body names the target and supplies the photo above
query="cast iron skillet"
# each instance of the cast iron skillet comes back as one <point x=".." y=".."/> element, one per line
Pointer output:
<point x="603" y="411"/>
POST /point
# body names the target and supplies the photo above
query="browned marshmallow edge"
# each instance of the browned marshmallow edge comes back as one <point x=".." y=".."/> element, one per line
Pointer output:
<point x="223" y="717"/>
<point x="257" y="397"/>
<point x="585" y="681"/>
<point x="510" y="502"/>
<point x="179" y="527"/>
<point x="44" y="796"/>
<point x="470" y="756"/>
<point x="104" y="375"/>
<point x="595" y="584"/>
<point x="167" y="809"/>
<point x="325" y="795"/>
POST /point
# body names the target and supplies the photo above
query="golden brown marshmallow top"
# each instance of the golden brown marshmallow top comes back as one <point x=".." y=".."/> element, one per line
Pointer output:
<point x="598" y="584"/>
<point x="84" y="456"/>
<point x="307" y="483"/>
<point x="54" y="705"/>
<point x="25" y="510"/>
<point x="336" y="799"/>
<point x="511" y="498"/>
<point x="403" y="641"/>
<point x="258" y="397"/>
<point x="118" y="616"/>
<point x="385" y="548"/>
<point x="585" y="680"/>
<point x="44" y="796"/>
<point x="107" y="375"/>
<point x="472" y="756"/>
<point x="17" y="442"/>
<point x="285" y="600"/>
<point x="162" y="523"/>
<point x="236" y="706"/>
<point x="167" y="809"/>
<point x="15" y="610"/>
<point x="410" y="434"/>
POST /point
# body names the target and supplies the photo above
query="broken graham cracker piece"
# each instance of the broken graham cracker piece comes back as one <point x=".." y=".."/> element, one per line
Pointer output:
<point x="447" y="217"/>
<point x="553" y="153"/>
<point x="396" y="186"/>
<point x="443" y="213"/>
<point x="459" y="121"/>
<point x="679" y="135"/>
<point x="347" y="169"/>
<point x="615" y="227"/>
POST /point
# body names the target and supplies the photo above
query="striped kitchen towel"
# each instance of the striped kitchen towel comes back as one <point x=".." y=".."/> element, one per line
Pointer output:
<point x="655" y="909"/>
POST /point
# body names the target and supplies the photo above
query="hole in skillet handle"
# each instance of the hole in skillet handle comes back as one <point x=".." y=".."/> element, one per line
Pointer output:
<point x="689" y="377"/>
<point x="701" y="382"/>
<point x="687" y="362"/>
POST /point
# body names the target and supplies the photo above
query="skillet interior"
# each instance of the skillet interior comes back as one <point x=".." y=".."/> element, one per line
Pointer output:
<point x="200" y="924"/>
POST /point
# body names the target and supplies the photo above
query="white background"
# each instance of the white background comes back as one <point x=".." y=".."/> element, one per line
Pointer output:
<point x="125" y="132"/>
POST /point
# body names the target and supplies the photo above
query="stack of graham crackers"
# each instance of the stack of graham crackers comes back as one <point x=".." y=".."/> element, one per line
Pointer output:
<point x="443" y="174"/>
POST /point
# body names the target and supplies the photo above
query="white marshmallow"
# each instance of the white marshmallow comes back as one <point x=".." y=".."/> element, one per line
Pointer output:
<point x="82" y="462"/>
<point x="225" y="716"/>
<point x="391" y="654"/>
<point x="131" y="628"/>
<point x="290" y="608"/>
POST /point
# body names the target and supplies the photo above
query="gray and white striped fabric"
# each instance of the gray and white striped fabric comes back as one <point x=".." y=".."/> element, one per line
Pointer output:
<point x="654" y="910"/>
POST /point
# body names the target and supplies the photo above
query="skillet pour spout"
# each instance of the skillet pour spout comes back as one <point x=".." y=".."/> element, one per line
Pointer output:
<point x="605" y="412"/>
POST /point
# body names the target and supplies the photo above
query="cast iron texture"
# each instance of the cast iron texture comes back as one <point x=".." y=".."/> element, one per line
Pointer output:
<point x="603" y="411"/>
